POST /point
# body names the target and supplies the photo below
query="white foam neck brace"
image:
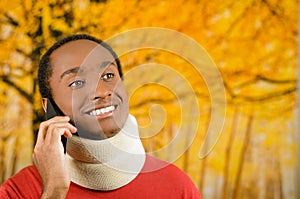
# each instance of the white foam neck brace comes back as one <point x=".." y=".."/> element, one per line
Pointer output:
<point x="106" y="164"/>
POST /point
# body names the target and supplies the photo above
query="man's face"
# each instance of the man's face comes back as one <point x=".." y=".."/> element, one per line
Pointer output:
<point x="87" y="87"/>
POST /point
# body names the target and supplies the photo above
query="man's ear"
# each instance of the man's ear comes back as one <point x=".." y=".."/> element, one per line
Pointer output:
<point x="44" y="104"/>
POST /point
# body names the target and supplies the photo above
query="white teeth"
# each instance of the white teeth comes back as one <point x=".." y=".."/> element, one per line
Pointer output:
<point x="102" y="110"/>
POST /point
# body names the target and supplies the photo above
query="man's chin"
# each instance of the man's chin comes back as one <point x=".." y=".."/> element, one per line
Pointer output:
<point x="97" y="134"/>
<point x="99" y="129"/>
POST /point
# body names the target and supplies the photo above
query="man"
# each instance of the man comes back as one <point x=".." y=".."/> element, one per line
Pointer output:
<point x="104" y="158"/>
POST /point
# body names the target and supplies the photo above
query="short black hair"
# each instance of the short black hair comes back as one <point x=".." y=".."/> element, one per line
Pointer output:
<point x="45" y="69"/>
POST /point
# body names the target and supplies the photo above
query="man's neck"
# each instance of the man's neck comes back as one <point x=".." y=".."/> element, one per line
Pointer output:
<point x="122" y="155"/>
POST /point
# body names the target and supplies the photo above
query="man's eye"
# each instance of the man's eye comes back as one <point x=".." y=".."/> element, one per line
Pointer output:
<point x="107" y="76"/>
<point x="76" y="83"/>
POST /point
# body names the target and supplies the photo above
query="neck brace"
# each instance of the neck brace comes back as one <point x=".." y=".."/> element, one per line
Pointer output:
<point x="106" y="164"/>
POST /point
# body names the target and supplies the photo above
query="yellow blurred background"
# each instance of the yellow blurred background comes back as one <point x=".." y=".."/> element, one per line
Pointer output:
<point x="253" y="43"/>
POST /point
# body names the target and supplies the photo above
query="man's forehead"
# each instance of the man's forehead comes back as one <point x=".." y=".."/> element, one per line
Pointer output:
<point x="83" y="46"/>
<point x="78" y="53"/>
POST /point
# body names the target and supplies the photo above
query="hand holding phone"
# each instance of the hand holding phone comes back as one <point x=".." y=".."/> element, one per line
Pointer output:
<point x="48" y="155"/>
<point x="52" y="111"/>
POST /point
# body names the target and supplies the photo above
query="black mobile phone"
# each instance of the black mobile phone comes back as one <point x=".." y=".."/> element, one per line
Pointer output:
<point x="52" y="111"/>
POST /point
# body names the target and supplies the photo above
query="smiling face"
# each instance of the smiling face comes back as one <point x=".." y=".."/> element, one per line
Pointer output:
<point x="87" y="87"/>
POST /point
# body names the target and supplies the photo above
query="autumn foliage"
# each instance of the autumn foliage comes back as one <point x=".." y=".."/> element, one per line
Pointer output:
<point x="253" y="44"/>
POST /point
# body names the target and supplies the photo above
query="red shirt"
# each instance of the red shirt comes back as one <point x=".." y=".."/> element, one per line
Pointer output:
<point x="166" y="182"/>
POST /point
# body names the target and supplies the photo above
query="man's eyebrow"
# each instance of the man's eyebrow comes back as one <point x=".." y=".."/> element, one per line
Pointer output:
<point x="105" y="64"/>
<point x="71" y="71"/>
<point x="80" y="69"/>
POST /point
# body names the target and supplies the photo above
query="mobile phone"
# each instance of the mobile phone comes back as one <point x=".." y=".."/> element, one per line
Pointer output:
<point x="52" y="111"/>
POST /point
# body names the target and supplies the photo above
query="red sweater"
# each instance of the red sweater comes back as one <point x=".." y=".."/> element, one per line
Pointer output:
<point x="167" y="182"/>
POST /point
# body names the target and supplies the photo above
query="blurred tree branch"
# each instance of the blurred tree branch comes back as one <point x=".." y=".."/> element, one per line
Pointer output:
<point x="18" y="88"/>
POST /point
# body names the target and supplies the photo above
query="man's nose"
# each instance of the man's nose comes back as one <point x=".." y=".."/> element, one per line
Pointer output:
<point x="101" y="91"/>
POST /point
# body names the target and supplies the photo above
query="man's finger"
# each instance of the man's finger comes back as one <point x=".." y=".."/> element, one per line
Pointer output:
<point x="44" y="126"/>
<point x="56" y="130"/>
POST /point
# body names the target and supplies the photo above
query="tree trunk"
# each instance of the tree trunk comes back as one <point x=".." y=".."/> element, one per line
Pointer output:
<point x="237" y="182"/>
<point x="228" y="152"/>
<point x="206" y="143"/>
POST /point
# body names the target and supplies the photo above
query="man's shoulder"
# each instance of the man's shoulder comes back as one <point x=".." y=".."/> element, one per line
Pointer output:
<point x="27" y="172"/>
<point x="26" y="180"/>
<point x="168" y="178"/>
<point x="155" y="164"/>
<point x="163" y="169"/>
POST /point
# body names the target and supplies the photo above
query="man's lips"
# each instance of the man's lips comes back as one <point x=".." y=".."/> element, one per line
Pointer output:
<point x="102" y="110"/>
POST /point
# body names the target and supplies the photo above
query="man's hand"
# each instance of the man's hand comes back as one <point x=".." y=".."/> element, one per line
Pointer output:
<point x="48" y="156"/>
